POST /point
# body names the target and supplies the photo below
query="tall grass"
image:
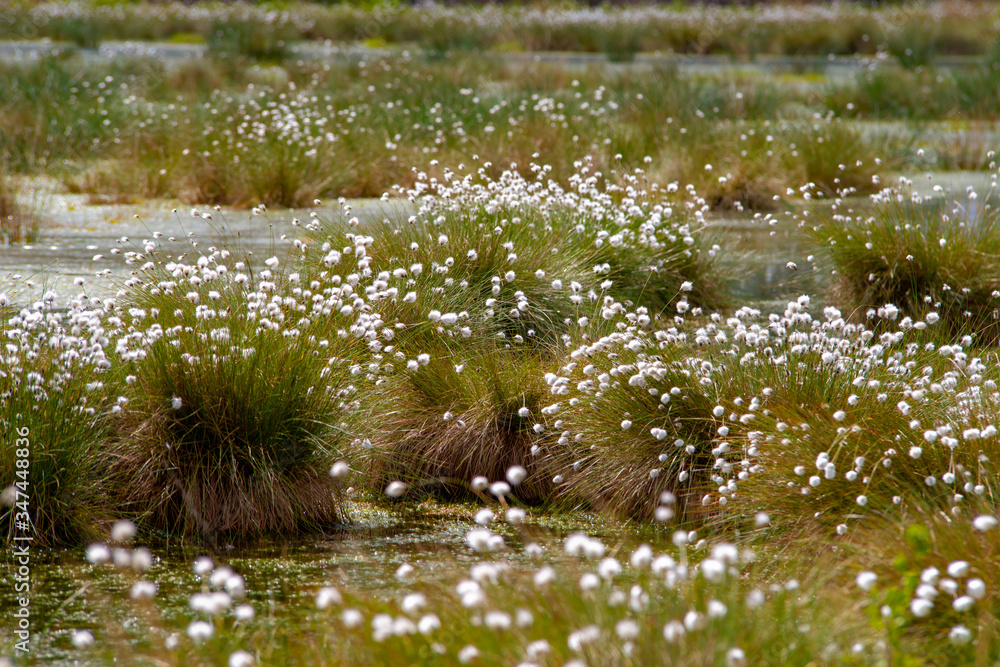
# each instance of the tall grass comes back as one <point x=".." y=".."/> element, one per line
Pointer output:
<point x="19" y="220"/>
<point x="639" y="441"/>
<point x="888" y="93"/>
<point x="237" y="408"/>
<point x="245" y="39"/>
<point x="914" y="32"/>
<point x="842" y="440"/>
<point x="914" y="558"/>
<point x="837" y="158"/>
<point x="467" y="413"/>
<point x="57" y="399"/>
<point x="502" y="273"/>
<point x="920" y="254"/>
<point x="285" y="136"/>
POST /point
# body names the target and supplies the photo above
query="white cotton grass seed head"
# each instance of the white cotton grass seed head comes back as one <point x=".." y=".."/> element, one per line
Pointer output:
<point x="958" y="569"/>
<point x="467" y="654"/>
<point x="735" y="657"/>
<point x="211" y="604"/>
<point x="515" y="516"/>
<point x="241" y="659"/>
<point x="98" y="554"/>
<point x="339" y="469"/>
<point x="500" y="489"/>
<point x="83" y="639"/>
<point x="395" y="489"/>
<point x="544" y="576"/>
<point x="976" y="588"/>
<point x="142" y="559"/>
<point x="609" y="568"/>
<point x="122" y="531"/>
<point x="627" y="629"/>
<point x="199" y="631"/>
<point x="984" y="522"/>
<point x="713" y="570"/>
<point x="352" y="618"/>
<point x="673" y="632"/>
<point x="642" y="557"/>
<point x="327" y="597"/>
<point x="122" y="558"/>
<point x="959" y="635"/>
<point x="963" y="603"/>
<point x="866" y="580"/>
<point x="244" y="613"/>
<point x="413" y="603"/>
<point x="582" y="637"/>
<point x="478" y="539"/>
<point x="589" y="581"/>
<point x="220" y="575"/>
<point x="203" y="565"/>
<point x="484" y="516"/>
<point x="497" y="620"/>
<point x="428" y="624"/>
<point x="516" y="475"/>
<point x="716" y="609"/>
<point x="143" y="590"/>
<point x="949" y="586"/>
<point x="694" y="620"/>
<point x="921" y="608"/>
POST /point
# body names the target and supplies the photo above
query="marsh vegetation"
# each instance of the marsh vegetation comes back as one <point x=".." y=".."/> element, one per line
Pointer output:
<point x="525" y="415"/>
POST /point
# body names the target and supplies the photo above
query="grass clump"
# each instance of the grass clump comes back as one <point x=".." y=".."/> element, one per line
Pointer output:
<point x="835" y="158"/>
<point x="930" y="577"/>
<point x="240" y="400"/>
<point x="837" y="429"/>
<point x="494" y="275"/>
<point x="921" y="255"/>
<point x="18" y="223"/>
<point x="467" y="414"/>
<point x="626" y="237"/>
<point x="253" y="40"/>
<point x="637" y="440"/>
<point x="493" y="270"/>
<point x="56" y="406"/>
<point x="214" y="446"/>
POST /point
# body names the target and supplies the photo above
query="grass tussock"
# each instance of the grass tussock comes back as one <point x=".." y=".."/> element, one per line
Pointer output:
<point x="638" y="442"/>
<point x="57" y="402"/>
<point x="931" y="576"/>
<point x="243" y="450"/>
<point x="920" y="254"/>
<point x="461" y="416"/>
<point x="235" y="415"/>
